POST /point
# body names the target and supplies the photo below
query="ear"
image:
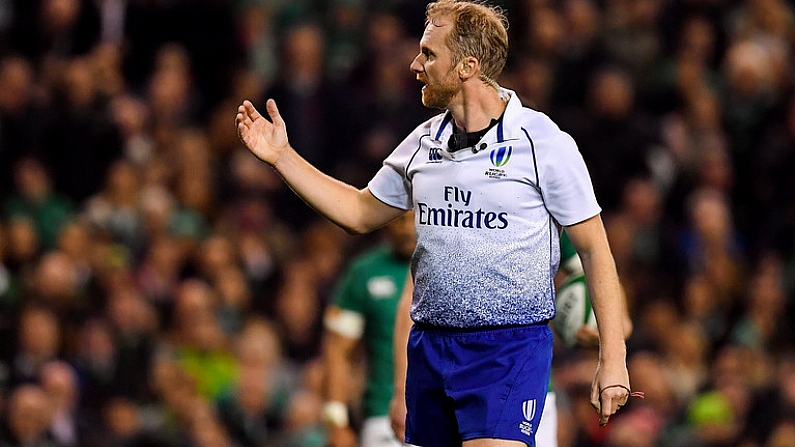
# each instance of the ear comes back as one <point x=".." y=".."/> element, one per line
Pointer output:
<point x="467" y="68"/>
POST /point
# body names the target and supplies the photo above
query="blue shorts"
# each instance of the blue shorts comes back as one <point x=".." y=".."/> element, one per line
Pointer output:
<point x="470" y="384"/>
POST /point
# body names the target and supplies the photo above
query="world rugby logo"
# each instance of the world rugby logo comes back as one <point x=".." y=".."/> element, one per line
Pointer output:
<point x="500" y="156"/>
<point x="529" y="409"/>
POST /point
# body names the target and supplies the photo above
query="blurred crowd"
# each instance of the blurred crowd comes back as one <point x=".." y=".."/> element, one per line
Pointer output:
<point x="161" y="287"/>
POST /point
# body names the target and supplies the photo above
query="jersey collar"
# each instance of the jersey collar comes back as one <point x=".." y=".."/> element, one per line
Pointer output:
<point x="441" y="129"/>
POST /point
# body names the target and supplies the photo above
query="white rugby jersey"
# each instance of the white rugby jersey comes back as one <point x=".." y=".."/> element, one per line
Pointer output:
<point x="487" y="244"/>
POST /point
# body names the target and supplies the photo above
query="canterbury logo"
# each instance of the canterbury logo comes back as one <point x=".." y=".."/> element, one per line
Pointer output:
<point x="435" y="154"/>
<point x="529" y="409"/>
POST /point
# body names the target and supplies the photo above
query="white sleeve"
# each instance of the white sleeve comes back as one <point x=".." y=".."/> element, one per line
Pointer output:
<point x="391" y="184"/>
<point x="564" y="180"/>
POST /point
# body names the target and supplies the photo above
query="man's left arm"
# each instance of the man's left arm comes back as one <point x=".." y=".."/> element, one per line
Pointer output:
<point x="610" y="389"/>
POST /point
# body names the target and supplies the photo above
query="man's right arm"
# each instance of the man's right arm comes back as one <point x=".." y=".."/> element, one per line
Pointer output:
<point x="355" y="210"/>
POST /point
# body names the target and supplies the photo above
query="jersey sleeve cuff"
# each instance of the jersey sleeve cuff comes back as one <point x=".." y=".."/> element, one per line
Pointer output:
<point x="589" y="213"/>
<point x="389" y="187"/>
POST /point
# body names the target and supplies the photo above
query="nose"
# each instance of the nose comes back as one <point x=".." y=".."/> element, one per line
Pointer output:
<point x="416" y="66"/>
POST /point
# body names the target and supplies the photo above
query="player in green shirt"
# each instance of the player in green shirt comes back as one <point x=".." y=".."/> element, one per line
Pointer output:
<point x="363" y="312"/>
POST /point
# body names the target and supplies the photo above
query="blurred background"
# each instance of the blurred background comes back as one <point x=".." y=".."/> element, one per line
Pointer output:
<point x="161" y="287"/>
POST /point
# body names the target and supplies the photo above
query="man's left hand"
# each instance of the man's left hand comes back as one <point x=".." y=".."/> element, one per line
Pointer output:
<point x="610" y="390"/>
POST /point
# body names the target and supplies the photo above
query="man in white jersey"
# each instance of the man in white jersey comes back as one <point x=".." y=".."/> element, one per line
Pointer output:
<point x="489" y="181"/>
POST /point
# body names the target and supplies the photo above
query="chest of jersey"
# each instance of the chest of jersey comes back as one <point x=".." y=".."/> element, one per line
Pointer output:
<point x="492" y="187"/>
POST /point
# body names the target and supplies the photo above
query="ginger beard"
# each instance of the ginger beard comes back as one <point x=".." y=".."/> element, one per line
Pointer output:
<point x="439" y="94"/>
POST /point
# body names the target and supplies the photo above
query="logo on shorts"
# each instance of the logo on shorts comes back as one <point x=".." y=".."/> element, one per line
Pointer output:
<point x="529" y="409"/>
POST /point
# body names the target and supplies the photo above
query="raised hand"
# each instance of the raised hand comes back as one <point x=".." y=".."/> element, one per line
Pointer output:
<point x="267" y="140"/>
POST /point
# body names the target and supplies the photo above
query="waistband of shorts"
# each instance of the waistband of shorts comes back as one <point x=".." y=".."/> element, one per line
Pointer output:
<point x="467" y="330"/>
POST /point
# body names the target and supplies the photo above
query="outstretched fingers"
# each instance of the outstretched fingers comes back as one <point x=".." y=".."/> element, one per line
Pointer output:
<point x="247" y="118"/>
<point x="250" y="110"/>
<point x="246" y="114"/>
<point x="240" y="123"/>
<point x="273" y="112"/>
<point x="265" y="136"/>
<point x="242" y="119"/>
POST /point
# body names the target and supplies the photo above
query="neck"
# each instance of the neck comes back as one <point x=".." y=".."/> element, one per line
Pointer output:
<point x="476" y="105"/>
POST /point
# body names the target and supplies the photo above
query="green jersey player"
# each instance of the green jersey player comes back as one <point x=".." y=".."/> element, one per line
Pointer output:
<point x="363" y="313"/>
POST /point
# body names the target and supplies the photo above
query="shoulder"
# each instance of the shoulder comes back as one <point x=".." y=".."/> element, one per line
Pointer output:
<point x="542" y="132"/>
<point x="539" y="124"/>
<point x="526" y="123"/>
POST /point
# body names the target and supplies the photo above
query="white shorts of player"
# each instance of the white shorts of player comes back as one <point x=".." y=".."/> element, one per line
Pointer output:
<point x="547" y="434"/>
<point x="377" y="431"/>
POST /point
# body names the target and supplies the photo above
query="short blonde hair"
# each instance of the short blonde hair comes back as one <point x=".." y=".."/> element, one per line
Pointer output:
<point x="479" y="30"/>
